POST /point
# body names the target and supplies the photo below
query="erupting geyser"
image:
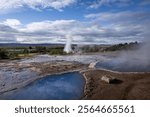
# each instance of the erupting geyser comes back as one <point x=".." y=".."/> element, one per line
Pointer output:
<point x="67" y="47"/>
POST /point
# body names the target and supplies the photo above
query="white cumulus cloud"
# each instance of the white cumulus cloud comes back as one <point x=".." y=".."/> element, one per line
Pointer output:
<point x="122" y="27"/>
<point x="14" y="23"/>
<point x="7" y="5"/>
<point x="99" y="3"/>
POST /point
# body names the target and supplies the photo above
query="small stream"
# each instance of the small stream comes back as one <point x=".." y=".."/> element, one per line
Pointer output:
<point x="67" y="86"/>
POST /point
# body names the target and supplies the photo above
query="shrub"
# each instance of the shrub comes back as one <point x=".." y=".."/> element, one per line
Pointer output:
<point x="3" y="54"/>
<point x="56" y="51"/>
<point x="41" y="49"/>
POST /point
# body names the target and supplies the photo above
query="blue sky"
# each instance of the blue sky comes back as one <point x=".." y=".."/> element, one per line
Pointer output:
<point x="85" y="21"/>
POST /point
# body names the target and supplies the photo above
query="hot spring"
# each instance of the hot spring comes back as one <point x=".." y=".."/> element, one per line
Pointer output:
<point x="66" y="86"/>
<point x="129" y="61"/>
<point x="123" y="66"/>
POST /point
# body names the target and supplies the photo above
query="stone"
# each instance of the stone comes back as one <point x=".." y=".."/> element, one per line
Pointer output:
<point x="108" y="79"/>
<point x="92" y="65"/>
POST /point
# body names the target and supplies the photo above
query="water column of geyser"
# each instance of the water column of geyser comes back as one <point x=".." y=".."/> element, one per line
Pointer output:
<point x="67" y="47"/>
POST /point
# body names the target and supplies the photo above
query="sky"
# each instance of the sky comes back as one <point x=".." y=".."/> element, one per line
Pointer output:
<point x="85" y="21"/>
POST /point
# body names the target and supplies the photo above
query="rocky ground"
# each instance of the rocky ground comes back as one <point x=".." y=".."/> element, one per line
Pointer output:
<point x="18" y="73"/>
<point x="129" y="86"/>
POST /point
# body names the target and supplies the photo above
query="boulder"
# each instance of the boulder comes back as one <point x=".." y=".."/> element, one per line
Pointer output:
<point x="92" y="65"/>
<point x="108" y="79"/>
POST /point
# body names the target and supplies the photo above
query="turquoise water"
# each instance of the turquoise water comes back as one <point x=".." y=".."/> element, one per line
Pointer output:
<point x="68" y="86"/>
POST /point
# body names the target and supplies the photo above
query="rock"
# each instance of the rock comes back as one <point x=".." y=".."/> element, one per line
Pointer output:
<point x="92" y="65"/>
<point x="108" y="79"/>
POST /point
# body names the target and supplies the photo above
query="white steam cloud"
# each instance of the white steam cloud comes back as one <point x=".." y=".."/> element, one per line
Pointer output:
<point x="67" y="47"/>
<point x="133" y="60"/>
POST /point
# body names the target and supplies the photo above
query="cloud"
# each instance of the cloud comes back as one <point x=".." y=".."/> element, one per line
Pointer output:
<point x="12" y="23"/>
<point x="120" y="16"/>
<point x="85" y="32"/>
<point x="145" y="2"/>
<point x="48" y="26"/>
<point x="35" y="32"/>
<point x="130" y="24"/>
<point x="106" y="27"/>
<point x="99" y="3"/>
<point x="7" y="34"/>
<point x="8" y="5"/>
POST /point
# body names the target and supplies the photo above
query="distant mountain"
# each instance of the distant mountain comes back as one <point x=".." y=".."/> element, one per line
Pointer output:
<point x="21" y="44"/>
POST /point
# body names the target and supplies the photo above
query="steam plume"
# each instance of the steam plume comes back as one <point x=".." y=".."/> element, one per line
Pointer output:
<point x="67" y="47"/>
<point x="130" y="61"/>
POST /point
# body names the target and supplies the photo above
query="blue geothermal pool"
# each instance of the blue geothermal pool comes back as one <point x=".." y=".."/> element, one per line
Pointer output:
<point x="67" y="86"/>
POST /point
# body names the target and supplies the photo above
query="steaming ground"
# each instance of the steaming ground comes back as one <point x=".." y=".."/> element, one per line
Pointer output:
<point x="17" y="73"/>
<point x="129" y="61"/>
<point x="85" y="59"/>
<point x="123" y="61"/>
<point x="134" y="85"/>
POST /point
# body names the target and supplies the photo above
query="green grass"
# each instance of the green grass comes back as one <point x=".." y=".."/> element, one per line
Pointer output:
<point x="22" y="52"/>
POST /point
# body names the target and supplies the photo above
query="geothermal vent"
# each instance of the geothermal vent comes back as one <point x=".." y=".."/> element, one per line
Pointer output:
<point x="67" y="47"/>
